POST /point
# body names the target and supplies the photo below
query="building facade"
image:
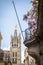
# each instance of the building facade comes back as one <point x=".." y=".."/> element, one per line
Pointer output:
<point x="2" y="61"/>
<point x="29" y="60"/>
<point x="15" y="49"/>
<point x="26" y="60"/>
<point x="35" y="44"/>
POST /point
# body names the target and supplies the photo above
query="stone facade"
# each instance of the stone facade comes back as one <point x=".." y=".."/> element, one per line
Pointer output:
<point x="2" y="63"/>
<point x="29" y="60"/>
<point x="26" y="60"/>
<point x="6" y="55"/>
<point x="35" y="45"/>
<point x="15" y="49"/>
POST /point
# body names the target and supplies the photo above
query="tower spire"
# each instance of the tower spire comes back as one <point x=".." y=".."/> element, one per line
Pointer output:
<point x="16" y="26"/>
<point x="15" y="31"/>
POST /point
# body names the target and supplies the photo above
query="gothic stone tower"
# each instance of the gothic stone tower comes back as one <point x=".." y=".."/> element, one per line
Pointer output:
<point x="15" y="49"/>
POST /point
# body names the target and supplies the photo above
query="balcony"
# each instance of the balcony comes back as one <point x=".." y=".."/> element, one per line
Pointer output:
<point x="29" y="38"/>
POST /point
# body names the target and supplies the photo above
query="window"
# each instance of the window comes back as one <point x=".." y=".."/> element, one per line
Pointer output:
<point x="14" y="60"/>
<point x="13" y="54"/>
<point x="14" y="45"/>
<point x="1" y="56"/>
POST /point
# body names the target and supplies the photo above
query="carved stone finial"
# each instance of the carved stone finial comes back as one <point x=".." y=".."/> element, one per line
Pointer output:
<point x="16" y="26"/>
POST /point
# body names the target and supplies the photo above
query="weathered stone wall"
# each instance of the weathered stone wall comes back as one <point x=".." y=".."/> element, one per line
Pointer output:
<point x="41" y="52"/>
<point x="2" y="63"/>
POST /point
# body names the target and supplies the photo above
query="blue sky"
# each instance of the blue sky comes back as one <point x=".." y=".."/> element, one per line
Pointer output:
<point x="8" y="19"/>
